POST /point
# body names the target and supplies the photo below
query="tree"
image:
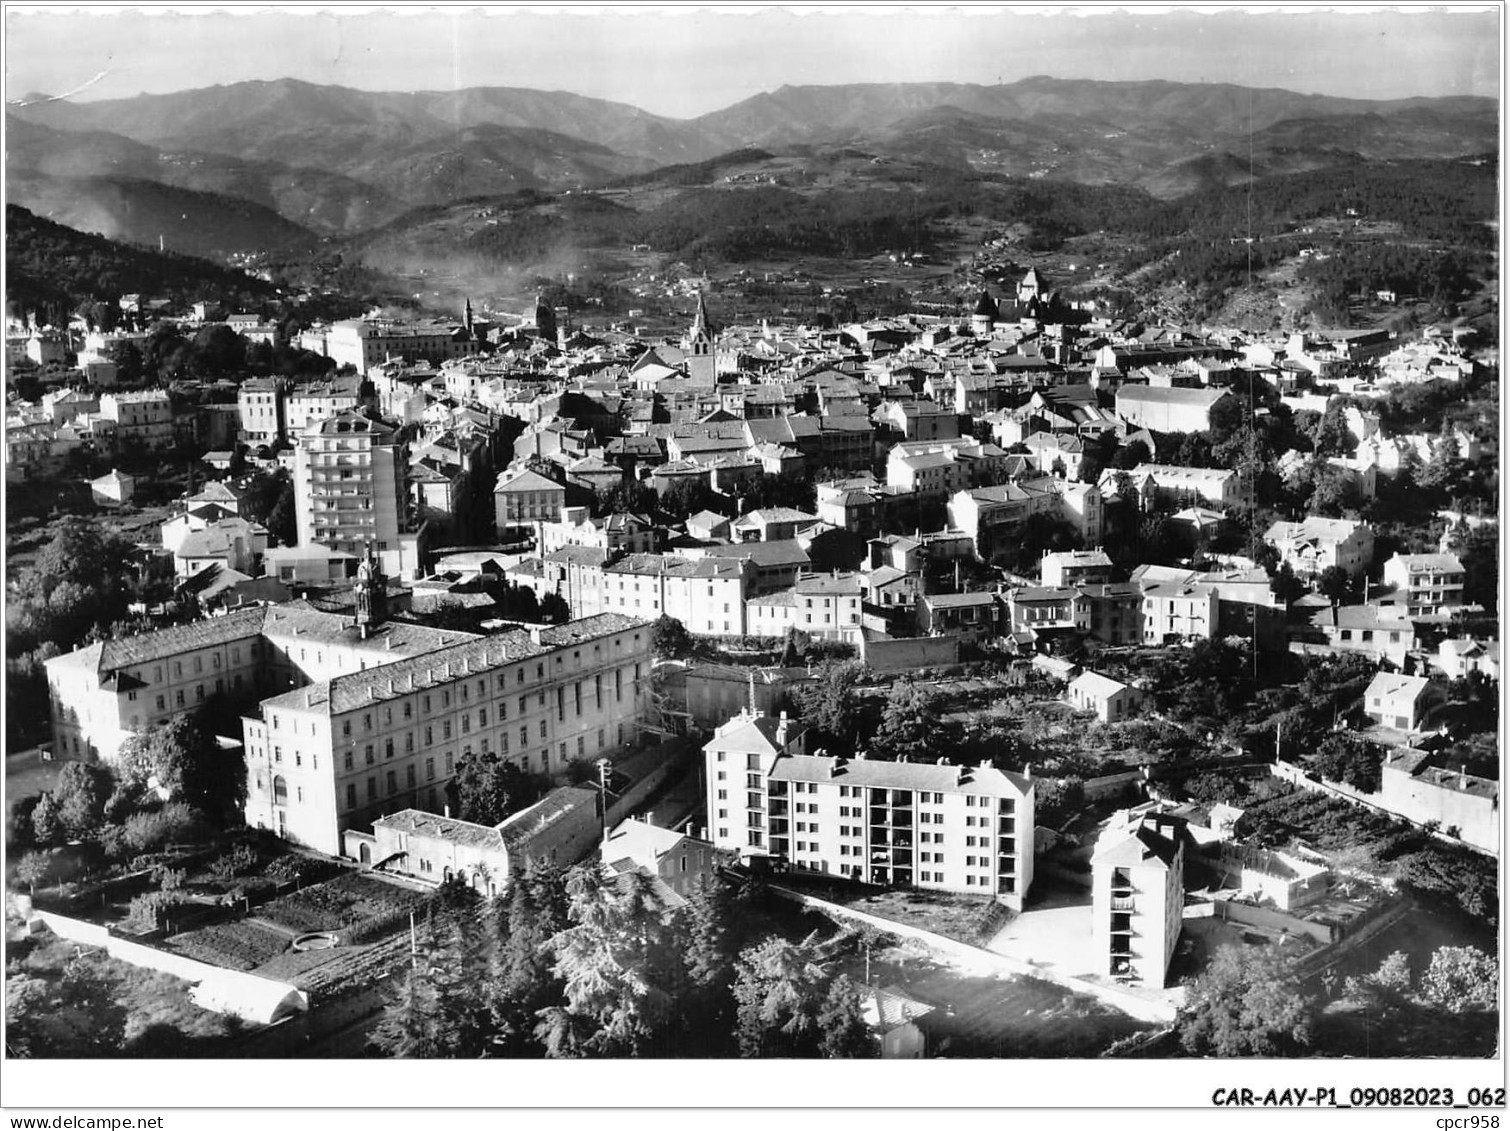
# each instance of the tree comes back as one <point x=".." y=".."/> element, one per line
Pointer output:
<point x="618" y="973"/>
<point x="32" y="869"/>
<point x="181" y="757"/>
<point x="781" y="988"/>
<point x="519" y="982"/>
<point x="1248" y="1002"/>
<point x="46" y="821"/>
<point x="554" y="609"/>
<point x="411" y="1017"/>
<point x="80" y="793"/>
<point x="86" y="992"/>
<point x="218" y="351"/>
<point x="1393" y="973"/>
<point x="830" y="705"/>
<point x="669" y="638"/>
<point x="689" y="495"/>
<point x="1285" y="586"/>
<point x="845" y="1035"/>
<point x="1461" y="978"/>
<point x="909" y="722"/>
<point x="488" y="789"/>
<point x="1334" y="583"/>
<point x="1344" y="757"/>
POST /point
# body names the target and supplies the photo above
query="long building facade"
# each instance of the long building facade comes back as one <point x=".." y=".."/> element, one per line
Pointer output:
<point x="341" y="752"/>
<point x="358" y="718"/>
<point x="936" y="827"/>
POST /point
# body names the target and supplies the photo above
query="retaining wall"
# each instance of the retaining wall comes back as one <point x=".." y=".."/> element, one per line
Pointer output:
<point x="151" y="958"/>
<point x="1295" y="775"/>
<point x="977" y="958"/>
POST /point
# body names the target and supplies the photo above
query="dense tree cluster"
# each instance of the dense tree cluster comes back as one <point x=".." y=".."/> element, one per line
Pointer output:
<point x="587" y="966"/>
<point x="56" y="270"/>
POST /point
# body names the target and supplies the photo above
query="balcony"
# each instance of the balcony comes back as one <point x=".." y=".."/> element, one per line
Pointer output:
<point x="778" y="807"/>
<point x="1122" y="903"/>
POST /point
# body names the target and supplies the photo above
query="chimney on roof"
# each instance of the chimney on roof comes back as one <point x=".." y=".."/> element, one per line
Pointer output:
<point x="781" y="730"/>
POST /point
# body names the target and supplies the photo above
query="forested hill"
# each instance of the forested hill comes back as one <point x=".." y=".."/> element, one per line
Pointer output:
<point x="56" y="270"/>
<point x="1445" y="200"/>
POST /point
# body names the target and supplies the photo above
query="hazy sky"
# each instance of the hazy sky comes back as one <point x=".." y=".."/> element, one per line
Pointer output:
<point x="684" y="61"/>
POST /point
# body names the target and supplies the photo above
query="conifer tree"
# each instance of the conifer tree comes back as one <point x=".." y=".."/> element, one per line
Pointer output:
<point x="845" y="1035"/>
<point x="618" y="969"/>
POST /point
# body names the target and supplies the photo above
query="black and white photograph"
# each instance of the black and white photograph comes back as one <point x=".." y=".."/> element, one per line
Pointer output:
<point x="804" y="533"/>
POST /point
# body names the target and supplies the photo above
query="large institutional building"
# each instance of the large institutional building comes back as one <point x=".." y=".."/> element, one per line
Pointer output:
<point x="940" y="827"/>
<point x="358" y="717"/>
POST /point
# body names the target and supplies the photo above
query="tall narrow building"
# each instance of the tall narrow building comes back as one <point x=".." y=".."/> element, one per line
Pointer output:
<point x="351" y="490"/>
<point x="698" y="346"/>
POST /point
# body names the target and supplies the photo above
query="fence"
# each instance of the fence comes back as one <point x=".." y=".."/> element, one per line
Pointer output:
<point x="975" y="958"/>
<point x="1254" y="916"/>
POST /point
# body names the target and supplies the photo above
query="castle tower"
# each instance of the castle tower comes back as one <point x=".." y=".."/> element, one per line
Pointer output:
<point x="698" y="346"/>
<point x="984" y="318"/>
<point x="545" y="320"/>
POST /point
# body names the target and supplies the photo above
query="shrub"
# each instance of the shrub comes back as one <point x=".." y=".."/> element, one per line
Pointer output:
<point x="149" y="911"/>
<point x="1461" y="978"/>
<point x="148" y="831"/>
<point x="169" y="879"/>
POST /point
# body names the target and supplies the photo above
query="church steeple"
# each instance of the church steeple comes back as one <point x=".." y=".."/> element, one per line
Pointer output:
<point x="371" y="593"/>
<point x="698" y="346"/>
<point x="466" y="317"/>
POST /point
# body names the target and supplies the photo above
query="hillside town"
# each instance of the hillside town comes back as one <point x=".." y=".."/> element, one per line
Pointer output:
<point x="1086" y="652"/>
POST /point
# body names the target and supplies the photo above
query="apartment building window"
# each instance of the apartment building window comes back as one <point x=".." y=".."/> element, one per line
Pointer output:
<point x="408" y="710"/>
<point x="542" y="728"/>
<point x="367" y="750"/>
<point x="524" y="736"/>
<point x="372" y="789"/>
<point x="450" y="762"/>
<point x="351" y="795"/>
<point x="388" y="748"/>
<point x="424" y="704"/>
<point x="162" y="703"/>
<point x="409" y="775"/>
<point x="392" y="782"/>
<point x="429" y="769"/>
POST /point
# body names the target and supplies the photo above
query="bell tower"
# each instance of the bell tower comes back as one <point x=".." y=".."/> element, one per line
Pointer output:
<point x="698" y="346"/>
<point x="371" y="593"/>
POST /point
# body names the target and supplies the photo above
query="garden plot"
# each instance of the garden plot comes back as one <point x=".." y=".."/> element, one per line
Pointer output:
<point x="234" y="946"/>
<point x="340" y="904"/>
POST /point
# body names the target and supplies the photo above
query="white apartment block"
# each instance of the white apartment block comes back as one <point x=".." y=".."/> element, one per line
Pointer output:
<point x="1138" y="896"/>
<point x="1428" y="583"/>
<point x="143" y="417"/>
<point x="1179" y="612"/>
<point x="934" y="827"/>
<point x="341" y="752"/>
<point x="825" y="606"/>
<point x="351" y="479"/>
<point x="260" y="406"/>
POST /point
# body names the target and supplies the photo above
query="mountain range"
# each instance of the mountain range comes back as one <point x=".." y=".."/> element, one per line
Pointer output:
<point x="282" y="164"/>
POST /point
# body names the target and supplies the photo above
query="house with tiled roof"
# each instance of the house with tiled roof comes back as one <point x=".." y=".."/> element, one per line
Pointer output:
<point x="1401" y="702"/>
<point x="679" y="864"/>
